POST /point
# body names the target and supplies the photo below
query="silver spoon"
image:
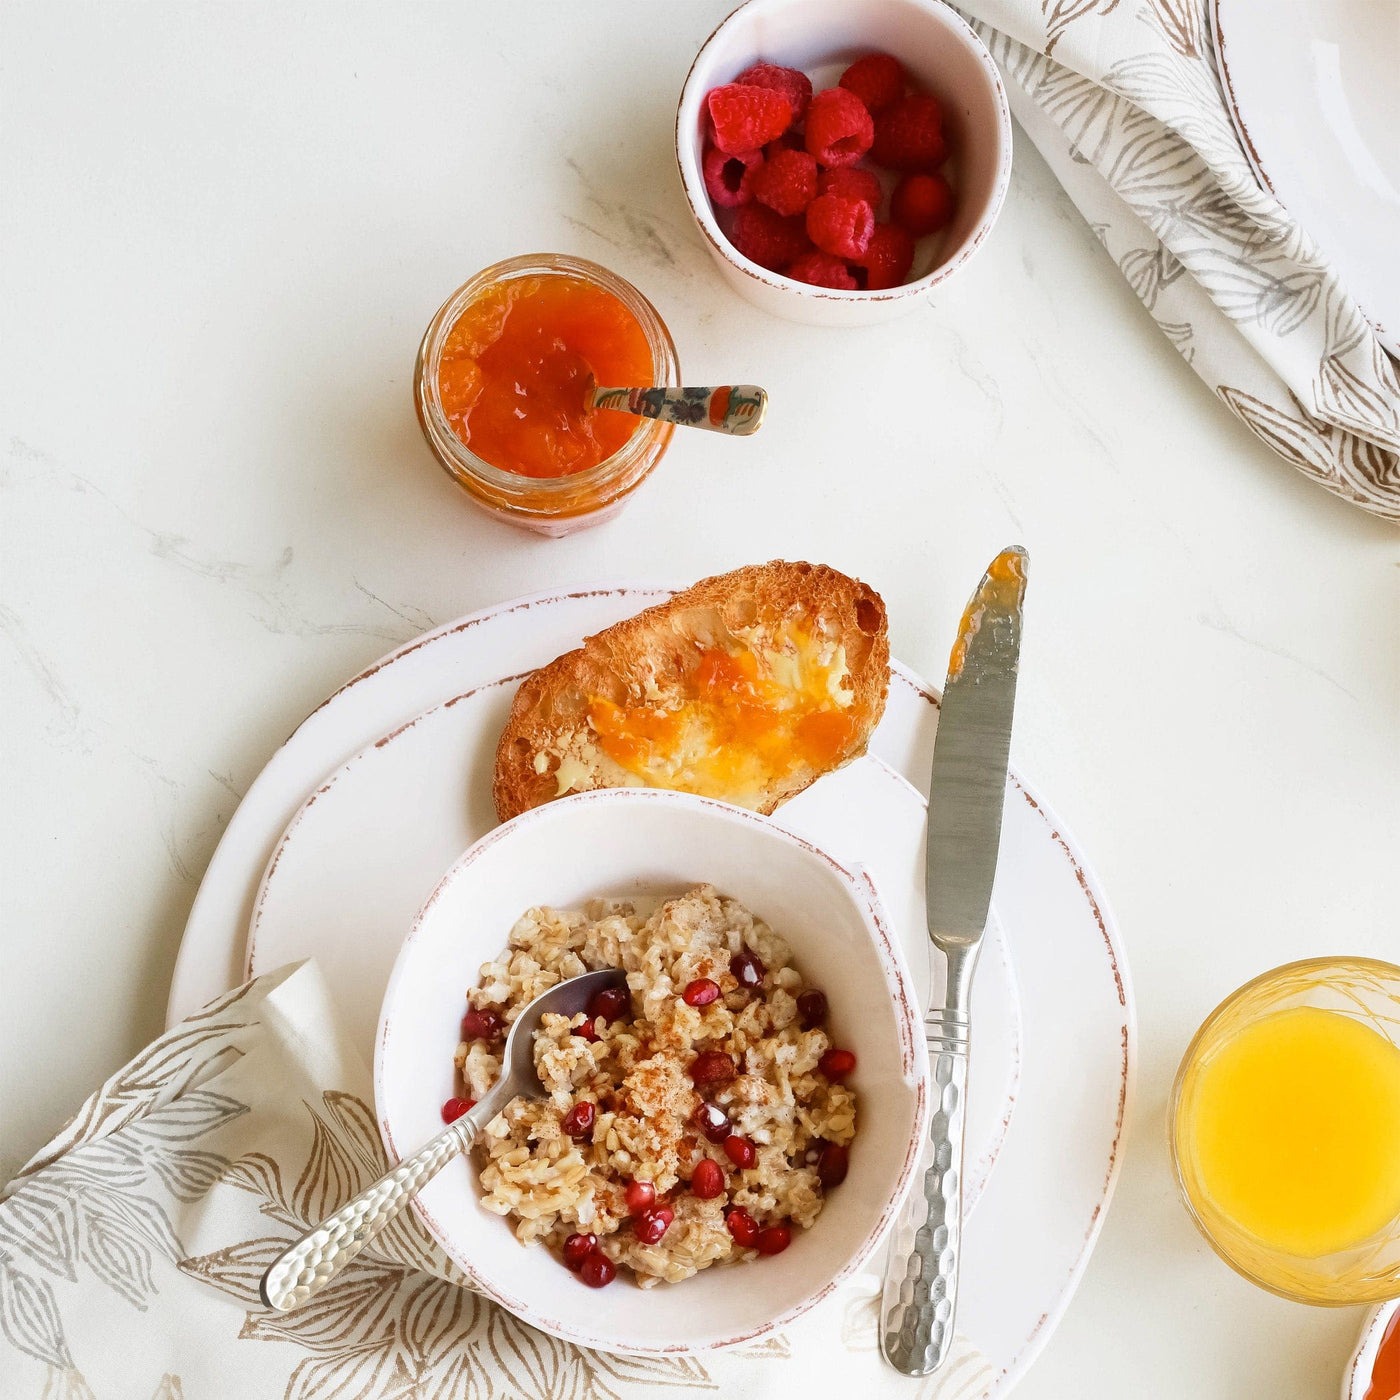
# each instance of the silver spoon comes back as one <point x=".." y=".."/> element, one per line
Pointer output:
<point x="734" y="409"/>
<point x="301" y="1271"/>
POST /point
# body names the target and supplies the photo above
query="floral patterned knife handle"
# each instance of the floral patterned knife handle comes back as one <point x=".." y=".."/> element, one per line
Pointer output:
<point x="736" y="409"/>
<point x="921" y="1276"/>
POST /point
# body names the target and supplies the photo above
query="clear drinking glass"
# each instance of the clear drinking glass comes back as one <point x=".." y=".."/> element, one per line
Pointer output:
<point x="1363" y="989"/>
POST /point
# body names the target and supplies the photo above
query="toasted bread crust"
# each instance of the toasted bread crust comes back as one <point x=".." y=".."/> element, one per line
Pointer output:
<point x="634" y="657"/>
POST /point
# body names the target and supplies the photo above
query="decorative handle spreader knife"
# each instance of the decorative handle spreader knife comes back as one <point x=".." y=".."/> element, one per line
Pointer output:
<point x="965" y="800"/>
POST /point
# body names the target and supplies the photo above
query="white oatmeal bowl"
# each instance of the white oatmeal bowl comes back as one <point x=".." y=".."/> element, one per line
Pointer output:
<point x="691" y="881"/>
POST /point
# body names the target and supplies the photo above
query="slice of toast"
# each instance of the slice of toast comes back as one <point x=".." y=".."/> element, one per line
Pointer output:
<point x="747" y="687"/>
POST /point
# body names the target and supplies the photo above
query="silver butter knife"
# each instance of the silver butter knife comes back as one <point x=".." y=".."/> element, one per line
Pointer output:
<point x="965" y="800"/>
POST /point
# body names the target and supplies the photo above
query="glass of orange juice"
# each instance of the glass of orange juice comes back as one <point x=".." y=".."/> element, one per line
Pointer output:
<point x="1285" y="1130"/>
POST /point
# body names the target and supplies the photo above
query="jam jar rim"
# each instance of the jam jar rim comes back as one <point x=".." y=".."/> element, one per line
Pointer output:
<point x="643" y="449"/>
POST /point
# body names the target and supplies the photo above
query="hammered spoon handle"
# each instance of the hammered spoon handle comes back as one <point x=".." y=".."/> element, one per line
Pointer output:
<point x="319" y="1255"/>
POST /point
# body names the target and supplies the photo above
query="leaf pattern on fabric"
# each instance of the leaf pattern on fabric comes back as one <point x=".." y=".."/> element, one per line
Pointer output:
<point x="92" y="1235"/>
<point x="1060" y="14"/>
<point x="391" y="1320"/>
<point x="1182" y="25"/>
<point x="29" y="1317"/>
<point x="1125" y="103"/>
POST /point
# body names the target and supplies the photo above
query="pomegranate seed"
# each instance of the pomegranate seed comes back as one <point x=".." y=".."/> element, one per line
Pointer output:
<point x="577" y="1248"/>
<point x="833" y="1164"/>
<point x="713" y="1067"/>
<point x="748" y="969"/>
<point x="837" y="1064"/>
<point x="578" y="1121"/>
<point x="651" y="1225"/>
<point x="707" y="1180"/>
<point x="740" y="1151"/>
<point x="587" y="1031"/>
<point x="711" y="1121"/>
<point x="700" y="992"/>
<point x="611" y="1003"/>
<point x="773" y="1240"/>
<point x="742" y="1227"/>
<point x="482" y="1025"/>
<point x="641" y="1195"/>
<point x="453" y="1109"/>
<point x="811" y="1007"/>
<point x="597" y="1270"/>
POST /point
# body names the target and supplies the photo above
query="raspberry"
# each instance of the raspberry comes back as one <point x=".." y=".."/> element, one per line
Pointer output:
<point x="877" y="79"/>
<point x="909" y="135"/>
<point x="795" y="85"/>
<point x="745" y="118"/>
<point x="822" y="270"/>
<point x="851" y="183"/>
<point x="921" y="203"/>
<point x="725" y="176"/>
<point x="839" y="129"/>
<point x="786" y="182"/>
<point x="840" y="226"/>
<point x="790" y="140"/>
<point x="767" y="238"/>
<point x="888" y="258"/>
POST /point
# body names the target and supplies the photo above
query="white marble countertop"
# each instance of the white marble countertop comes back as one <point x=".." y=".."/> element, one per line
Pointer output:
<point x="224" y="229"/>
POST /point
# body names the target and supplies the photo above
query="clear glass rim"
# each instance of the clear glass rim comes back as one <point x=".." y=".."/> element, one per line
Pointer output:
<point x="1339" y="962"/>
<point x="641" y="450"/>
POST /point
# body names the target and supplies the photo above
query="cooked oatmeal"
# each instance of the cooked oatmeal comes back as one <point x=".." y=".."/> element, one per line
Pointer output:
<point x="717" y="1056"/>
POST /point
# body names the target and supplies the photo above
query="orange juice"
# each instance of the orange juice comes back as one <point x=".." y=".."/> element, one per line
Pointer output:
<point x="1293" y="1129"/>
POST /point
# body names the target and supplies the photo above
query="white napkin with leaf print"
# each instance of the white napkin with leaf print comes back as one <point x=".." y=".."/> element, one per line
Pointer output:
<point x="1123" y="100"/>
<point x="131" y="1248"/>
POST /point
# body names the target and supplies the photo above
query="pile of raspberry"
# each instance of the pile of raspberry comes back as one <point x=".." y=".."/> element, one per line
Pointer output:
<point x="787" y="172"/>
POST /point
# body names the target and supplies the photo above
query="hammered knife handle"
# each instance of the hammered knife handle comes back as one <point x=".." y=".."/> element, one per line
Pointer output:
<point x="304" y="1269"/>
<point x="921" y="1275"/>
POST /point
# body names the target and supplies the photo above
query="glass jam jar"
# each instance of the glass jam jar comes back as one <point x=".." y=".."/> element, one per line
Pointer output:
<point x="549" y="505"/>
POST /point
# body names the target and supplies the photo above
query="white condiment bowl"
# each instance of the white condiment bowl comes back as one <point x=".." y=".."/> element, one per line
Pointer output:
<point x="637" y="843"/>
<point x="941" y="54"/>
<point x="1356" y="1380"/>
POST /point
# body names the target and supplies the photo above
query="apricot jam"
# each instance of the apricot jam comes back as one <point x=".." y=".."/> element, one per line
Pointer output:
<point x="516" y="370"/>
<point x="500" y="383"/>
<point x="745" y="719"/>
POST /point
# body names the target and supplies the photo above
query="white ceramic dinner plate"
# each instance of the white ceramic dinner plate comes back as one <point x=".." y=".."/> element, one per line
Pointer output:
<point x="1314" y="90"/>
<point x="1041" y="1209"/>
